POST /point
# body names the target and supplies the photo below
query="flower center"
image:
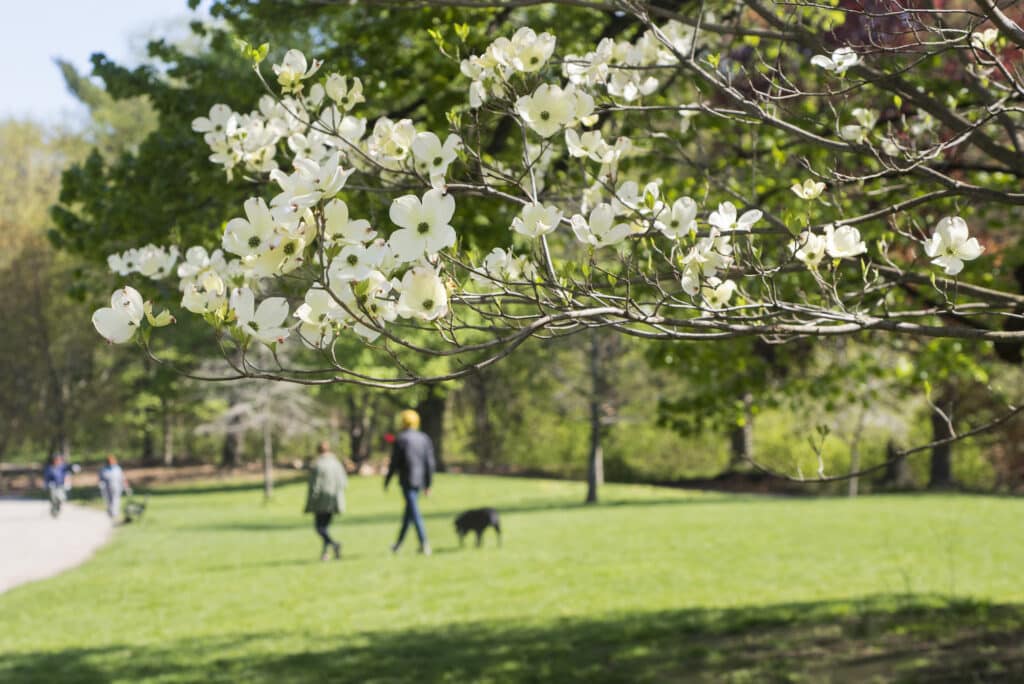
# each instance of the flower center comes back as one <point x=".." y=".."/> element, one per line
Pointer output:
<point x="428" y="304"/>
<point x="423" y="227"/>
<point x="289" y="248"/>
<point x="353" y="259"/>
<point x="545" y="115"/>
<point x="254" y="325"/>
<point x="254" y="242"/>
<point x="437" y="161"/>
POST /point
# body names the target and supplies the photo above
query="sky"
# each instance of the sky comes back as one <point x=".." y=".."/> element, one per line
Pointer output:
<point x="34" y="32"/>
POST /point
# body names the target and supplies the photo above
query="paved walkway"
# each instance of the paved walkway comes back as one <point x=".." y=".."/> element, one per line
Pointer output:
<point x="34" y="546"/>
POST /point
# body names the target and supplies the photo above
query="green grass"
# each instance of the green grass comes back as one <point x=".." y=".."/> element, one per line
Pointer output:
<point x="651" y="585"/>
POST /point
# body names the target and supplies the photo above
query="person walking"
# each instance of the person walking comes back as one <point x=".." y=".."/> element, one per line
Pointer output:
<point x="412" y="459"/>
<point x="326" y="496"/>
<point x="113" y="483"/>
<point x="57" y="481"/>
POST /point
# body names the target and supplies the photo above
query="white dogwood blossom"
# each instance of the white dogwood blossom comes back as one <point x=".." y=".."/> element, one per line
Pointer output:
<point x="433" y="158"/>
<point x="536" y="220"/>
<point x="858" y="133"/>
<point x="810" y="189"/>
<point x="423" y="294"/>
<point x="550" y="108"/>
<point x="839" y="62"/>
<point x="527" y="51"/>
<point x="842" y="242"/>
<point x="725" y="218"/>
<point x="310" y="182"/>
<point x="339" y="227"/>
<point x="294" y="69"/>
<point x="150" y="261"/>
<point x="950" y="245"/>
<point x="601" y="230"/>
<point x="425" y="227"/>
<point x="317" y="314"/>
<point x="119" y="322"/>
<point x="809" y="248"/>
<point x="717" y="293"/>
<point x="679" y="220"/>
<point x="265" y="323"/>
<point x="220" y="123"/>
<point x="250" y="235"/>
<point x="342" y="93"/>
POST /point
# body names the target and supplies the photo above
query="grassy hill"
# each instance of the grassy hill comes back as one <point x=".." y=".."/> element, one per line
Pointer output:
<point x="651" y="585"/>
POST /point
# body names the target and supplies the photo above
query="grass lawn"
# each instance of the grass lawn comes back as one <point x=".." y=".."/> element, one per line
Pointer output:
<point x="651" y="585"/>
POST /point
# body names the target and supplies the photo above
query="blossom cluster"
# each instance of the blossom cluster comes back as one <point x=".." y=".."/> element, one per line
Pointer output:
<point x="362" y="275"/>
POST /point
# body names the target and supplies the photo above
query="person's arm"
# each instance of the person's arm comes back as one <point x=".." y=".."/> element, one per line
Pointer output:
<point x="396" y="452"/>
<point x="431" y="465"/>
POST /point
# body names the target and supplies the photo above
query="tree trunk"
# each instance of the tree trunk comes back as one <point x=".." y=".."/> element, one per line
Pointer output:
<point x="360" y="430"/>
<point x="854" y="483"/>
<point x="941" y="474"/>
<point x="601" y="410"/>
<point x="230" y="455"/>
<point x="168" y="447"/>
<point x="595" y="464"/>
<point x="148" y="448"/>
<point x="268" y="461"/>
<point x="741" y="437"/>
<point x="431" y="411"/>
<point x="483" y="430"/>
<point x="897" y="472"/>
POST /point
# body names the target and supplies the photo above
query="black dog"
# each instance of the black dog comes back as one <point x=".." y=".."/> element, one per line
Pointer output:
<point x="133" y="510"/>
<point x="477" y="520"/>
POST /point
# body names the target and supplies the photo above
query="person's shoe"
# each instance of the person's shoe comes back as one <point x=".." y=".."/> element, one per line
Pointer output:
<point x="425" y="550"/>
<point x="394" y="548"/>
<point x="324" y="556"/>
<point x="337" y="550"/>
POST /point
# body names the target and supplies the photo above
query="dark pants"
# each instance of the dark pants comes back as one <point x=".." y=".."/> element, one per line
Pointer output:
<point x="320" y="522"/>
<point x="412" y="515"/>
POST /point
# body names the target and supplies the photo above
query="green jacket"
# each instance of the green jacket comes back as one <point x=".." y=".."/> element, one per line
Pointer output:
<point x="327" y="482"/>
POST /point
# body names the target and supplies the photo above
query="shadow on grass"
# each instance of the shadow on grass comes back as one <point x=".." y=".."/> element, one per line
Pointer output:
<point x="880" y="639"/>
<point x="395" y="516"/>
<point x="214" y="487"/>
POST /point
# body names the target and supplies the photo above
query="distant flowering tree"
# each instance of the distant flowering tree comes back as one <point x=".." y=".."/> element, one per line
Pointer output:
<point x="771" y="170"/>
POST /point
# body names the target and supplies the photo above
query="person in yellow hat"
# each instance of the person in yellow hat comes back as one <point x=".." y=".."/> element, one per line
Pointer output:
<point x="412" y="459"/>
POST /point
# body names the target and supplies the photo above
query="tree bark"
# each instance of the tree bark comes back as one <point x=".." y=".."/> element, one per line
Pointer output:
<point x="741" y="437"/>
<point x="230" y="455"/>
<point x="601" y="352"/>
<point x="431" y="411"/>
<point x="168" y="433"/>
<point x="941" y="472"/>
<point x="483" y="430"/>
<point x="360" y="427"/>
<point x="897" y="473"/>
<point x="268" y="461"/>
<point x="854" y="483"/>
<point x="148" y="448"/>
<point x="595" y="463"/>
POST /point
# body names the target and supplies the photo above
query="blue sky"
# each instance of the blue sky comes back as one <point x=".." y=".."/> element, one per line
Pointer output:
<point x="34" y="32"/>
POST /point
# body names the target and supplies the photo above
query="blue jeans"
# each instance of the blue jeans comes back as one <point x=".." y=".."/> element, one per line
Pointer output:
<point x="412" y="515"/>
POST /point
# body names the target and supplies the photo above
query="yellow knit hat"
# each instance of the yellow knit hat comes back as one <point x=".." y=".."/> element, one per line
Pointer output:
<point x="409" y="419"/>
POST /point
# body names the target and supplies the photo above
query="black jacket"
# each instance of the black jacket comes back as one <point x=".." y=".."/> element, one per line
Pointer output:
<point x="412" y="457"/>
